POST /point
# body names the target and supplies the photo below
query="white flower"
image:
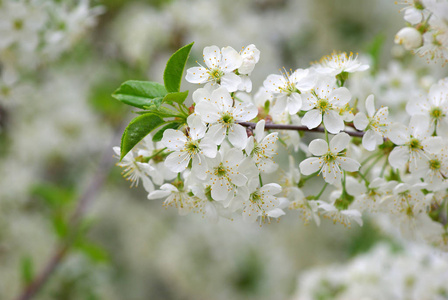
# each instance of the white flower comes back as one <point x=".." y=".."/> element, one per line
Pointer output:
<point x="223" y="117"/>
<point x="287" y="88"/>
<point x="250" y="56"/>
<point x="225" y="174"/>
<point x="375" y="124"/>
<point x="220" y="66"/>
<point x="340" y="216"/>
<point x="326" y="100"/>
<point x="331" y="158"/>
<point x="337" y="63"/>
<point x="414" y="142"/>
<point x="435" y="106"/>
<point x="134" y="170"/>
<point x="308" y="209"/>
<point x="20" y="22"/>
<point x="262" y="148"/>
<point x="174" y="197"/>
<point x="260" y="201"/>
<point x="194" y="146"/>
<point x="409" y="37"/>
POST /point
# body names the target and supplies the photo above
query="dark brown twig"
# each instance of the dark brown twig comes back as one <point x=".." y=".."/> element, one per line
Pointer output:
<point x="270" y="126"/>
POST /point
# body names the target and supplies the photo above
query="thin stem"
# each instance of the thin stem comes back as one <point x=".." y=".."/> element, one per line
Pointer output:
<point x="260" y="180"/>
<point x="270" y="126"/>
<point x="322" y="191"/>
<point x="373" y="164"/>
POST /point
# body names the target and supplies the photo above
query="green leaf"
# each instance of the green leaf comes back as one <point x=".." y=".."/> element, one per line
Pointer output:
<point x="175" y="68"/>
<point x="55" y="196"/>
<point x="60" y="226"/>
<point x="161" y="111"/>
<point x="159" y="135"/>
<point x="178" y="97"/>
<point x="137" y="130"/>
<point x="27" y="269"/>
<point x="94" y="252"/>
<point x="140" y="93"/>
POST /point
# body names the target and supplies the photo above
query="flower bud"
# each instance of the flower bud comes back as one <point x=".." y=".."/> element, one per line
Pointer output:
<point x="409" y="37"/>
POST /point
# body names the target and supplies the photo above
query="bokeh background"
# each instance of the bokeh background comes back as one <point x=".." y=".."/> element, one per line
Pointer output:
<point x="58" y="124"/>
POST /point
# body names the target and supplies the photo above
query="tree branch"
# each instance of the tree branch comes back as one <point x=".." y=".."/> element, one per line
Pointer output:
<point x="269" y="126"/>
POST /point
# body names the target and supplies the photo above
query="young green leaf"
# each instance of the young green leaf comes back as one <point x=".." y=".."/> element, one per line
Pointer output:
<point x="175" y="68"/>
<point x="178" y="97"/>
<point x="137" y="130"/>
<point x="27" y="269"/>
<point x="140" y="93"/>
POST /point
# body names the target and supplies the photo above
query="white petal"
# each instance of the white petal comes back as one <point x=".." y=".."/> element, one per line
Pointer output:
<point x="273" y="82"/>
<point x="339" y="142"/>
<point x="230" y="81"/>
<point x="232" y="157"/>
<point x="197" y="75"/>
<point x="174" y="139"/>
<point x="310" y="165"/>
<point x="237" y="136"/>
<point x="270" y="189"/>
<point x="208" y="111"/>
<point x="312" y="119"/>
<point x="398" y="134"/>
<point x="318" y="147"/>
<point x="399" y="157"/>
<point x="158" y="194"/>
<point x="294" y="103"/>
<point x="231" y="59"/>
<point x="177" y="161"/>
<point x="333" y="121"/>
<point x="348" y="164"/>
<point x="370" y="106"/>
<point x="216" y="133"/>
<point x="371" y="139"/>
<point x="360" y="121"/>
<point x="220" y="189"/>
<point x="212" y="56"/>
<point x="196" y="126"/>
<point x="259" y="130"/>
<point x="275" y="213"/>
<point x="340" y="96"/>
<point x="208" y="147"/>
<point x="199" y="166"/>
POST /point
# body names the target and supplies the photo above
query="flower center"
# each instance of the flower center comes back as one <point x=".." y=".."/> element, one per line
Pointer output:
<point x="227" y="119"/>
<point x="221" y="170"/>
<point x="290" y="88"/>
<point x="414" y="144"/>
<point x="18" y="24"/>
<point x="434" y="164"/>
<point x="216" y="75"/>
<point x="329" y="157"/>
<point x="323" y="104"/>
<point x="192" y="147"/>
<point x="436" y="113"/>
<point x="255" y="196"/>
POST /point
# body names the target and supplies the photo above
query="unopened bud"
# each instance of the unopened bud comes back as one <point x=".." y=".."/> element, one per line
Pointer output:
<point x="409" y="37"/>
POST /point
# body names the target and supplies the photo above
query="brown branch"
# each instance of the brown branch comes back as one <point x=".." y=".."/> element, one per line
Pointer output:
<point x="270" y="126"/>
<point x="63" y="248"/>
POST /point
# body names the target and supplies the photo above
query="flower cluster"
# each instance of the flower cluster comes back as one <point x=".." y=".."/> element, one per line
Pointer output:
<point x="366" y="162"/>
<point x="415" y="272"/>
<point x="427" y="30"/>
<point x="36" y="32"/>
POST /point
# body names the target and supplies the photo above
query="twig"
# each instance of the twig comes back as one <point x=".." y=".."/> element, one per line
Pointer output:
<point x="63" y="247"/>
<point x="269" y="126"/>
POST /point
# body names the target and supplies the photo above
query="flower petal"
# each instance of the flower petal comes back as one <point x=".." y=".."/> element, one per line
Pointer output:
<point x="333" y="121"/>
<point x="339" y="142"/>
<point x="310" y="165"/>
<point x="318" y="147"/>
<point x="312" y="119"/>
